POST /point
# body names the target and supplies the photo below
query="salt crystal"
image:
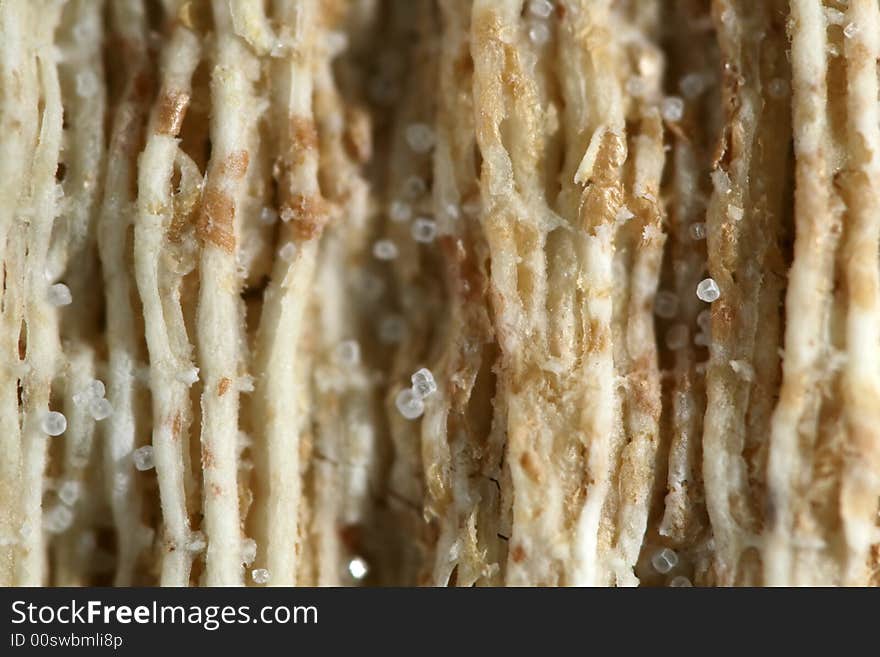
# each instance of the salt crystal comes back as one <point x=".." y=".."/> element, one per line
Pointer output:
<point x="287" y="252"/>
<point x="336" y="42"/>
<point x="59" y="295"/>
<point x="399" y="211"/>
<point x="357" y="568"/>
<point x="635" y="87"/>
<point x="268" y="216"/>
<point x="86" y="84"/>
<point x="539" y="34"/>
<point x="666" y="304"/>
<point x="385" y="250"/>
<point x="96" y="389"/>
<point x="423" y="384"/>
<point x="188" y="376"/>
<point x="413" y="187"/>
<point x="680" y="581"/>
<point x="672" y="109"/>
<point x="850" y="30"/>
<point x="664" y="560"/>
<point x="392" y="328"/>
<point x="143" y="458"/>
<point x="260" y="575"/>
<point x="69" y="492"/>
<point x="54" y="423"/>
<point x="541" y="8"/>
<point x="778" y="88"/>
<point x="708" y="291"/>
<point x="420" y="137"/>
<point x="248" y="551"/>
<point x="409" y="404"/>
<point x="692" y="85"/>
<point x="424" y="230"/>
<point x="735" y="212"/>
<point x="58" y="519"/>
<point x="704" y="321"/>
<point x="347" y="353"/>
<point x="100" y="409"/>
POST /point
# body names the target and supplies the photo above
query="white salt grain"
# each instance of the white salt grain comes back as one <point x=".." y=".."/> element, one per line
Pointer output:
<point x="409" y="404"/>
<point x="86" y="84"/>
<point x="188" y="376"/>
<point x="287" y="252"/>
<point x="357" y="568"/>
<point x="384" y="250"/>
<point x="708" y="290"/>
<point x="778" y="88"/>
<point x="58" y="519"/>
<point x="59" y="295"/>
<point x="664" y="560"/>
<point x="420" y="137"/>
<point x="248" y="551"/>
<point x="539" y="34"/>
<point x="392" y="328"/>
<point x="692" y="85"/>
<point x="704" y="321"/>
<point x="96" y="389"/>
<point x="260" y="575"/>
<point x="143" y="458"/>
<point x="424" y="230"/>
<point x="399" y="211"/>
<point x="100" y="409"/>
<point x="672" y="109"/>
<point x="347" y="353"/>
<point x="423" y="384"/>
<point x="541" y="8"/>
<point x="635" y="87"/>
<point x="414" y="187"/>
<point x="54" y="423"/>
<point x="666" y="304"/>
<point x="69" y="492"/>
<point x="680" y="581"/>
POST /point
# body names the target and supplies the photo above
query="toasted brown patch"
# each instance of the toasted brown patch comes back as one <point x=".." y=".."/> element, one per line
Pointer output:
<point x="530" y="466"/>
<point x="207" y="458"/>
<point x="518" y="554"/>
<point x="235" y="165"/>
<point x="215" y="221"/>
<point x="172" y="110"/>
<point x="308" y="215"/>
<point x="599" y="338"/>
<point x="303" y="134"/>
<point x="223" y="386"/>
